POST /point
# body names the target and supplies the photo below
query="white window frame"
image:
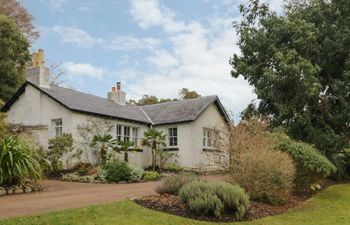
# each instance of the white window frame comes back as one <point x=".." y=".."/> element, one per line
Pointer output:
<point x="127" y="135"/>
<point x="172" y="139"/>
<point x="135" y="135"/>
<point x="124" y="132"/>
<point x="57" y="127"/>
<point x="209" y="138"/>
<point x="119" y="132"/>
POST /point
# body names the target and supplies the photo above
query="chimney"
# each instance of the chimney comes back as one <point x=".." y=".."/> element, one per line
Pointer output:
<point x="117" y="95"/>
<point x="38" y="74"/>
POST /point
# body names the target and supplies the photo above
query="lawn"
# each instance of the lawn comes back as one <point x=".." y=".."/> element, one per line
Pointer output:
<point x="331" y="206"/>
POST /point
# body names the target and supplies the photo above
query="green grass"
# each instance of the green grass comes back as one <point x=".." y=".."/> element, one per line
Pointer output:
<point x="331" y="206"/>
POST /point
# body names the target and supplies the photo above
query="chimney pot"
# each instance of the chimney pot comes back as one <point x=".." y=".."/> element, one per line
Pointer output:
<point x="113" y="89"/>
<point x="118" y="85"/>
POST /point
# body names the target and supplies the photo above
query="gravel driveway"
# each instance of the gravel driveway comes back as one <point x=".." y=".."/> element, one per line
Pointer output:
<point x="60" y="195"/>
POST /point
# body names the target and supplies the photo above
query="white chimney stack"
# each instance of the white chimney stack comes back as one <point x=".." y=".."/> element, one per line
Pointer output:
<point x="38" y="74"/>
<point x="117" y="95"/>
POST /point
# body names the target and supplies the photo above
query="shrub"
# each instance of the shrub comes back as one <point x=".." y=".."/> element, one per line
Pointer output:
<point x="45" y="164"/>
<point x="172" y="184"/>
<point x="311" y="164"/>
<point x="151" y="175"/>
<point x="207" y="203"/>
<point x="264" y="174"/>
<point x="84" y="168"/>
<point x="116" y="171"/>
<point x="136" y="173"/>
<point x="234" y="198"/>
<point x="17" y="162"/>
<point x="76" y="177"/>
<point x="58" y="146"/>
<point x="173" y="168"/>
<point x="214" y="198"/>
<point x="255" y="165"/>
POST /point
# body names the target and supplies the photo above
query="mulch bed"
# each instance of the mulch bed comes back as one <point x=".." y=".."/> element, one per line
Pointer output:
<point x="171" y="204"/>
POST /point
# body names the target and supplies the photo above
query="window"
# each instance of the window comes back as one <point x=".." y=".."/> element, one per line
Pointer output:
<point x="135" y="135"/>
<point x="172" y="135"/>
<point x="57" y="127"/>
<point x="126" y="133"/>
<point x="119" y="132"/>
<point x="209" y="140"/>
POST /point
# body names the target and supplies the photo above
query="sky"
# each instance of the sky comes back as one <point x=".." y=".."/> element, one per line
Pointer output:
<point x="153" y="47"/>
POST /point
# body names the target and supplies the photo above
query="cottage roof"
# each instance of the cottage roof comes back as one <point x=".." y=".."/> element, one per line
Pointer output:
<point x="157" y="114"/>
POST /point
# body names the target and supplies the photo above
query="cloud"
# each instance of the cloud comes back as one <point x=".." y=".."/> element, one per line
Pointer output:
<point x="76" y="37"/>
<point x="162" y="59"/>
<point x="150" y="13"/>
<point x="133" y="43"/>
<point x="83" y="69"/>
<point x="198" y="58"/>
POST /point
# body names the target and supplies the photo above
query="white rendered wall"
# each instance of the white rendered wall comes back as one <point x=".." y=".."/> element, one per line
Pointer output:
<point x="190" y="140"/>
<point x="37" y="109"/>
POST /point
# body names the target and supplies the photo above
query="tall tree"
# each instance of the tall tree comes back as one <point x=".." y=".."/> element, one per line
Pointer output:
<point x="14" y="56"/>
<point x="147" y="100"/>
<point x="24" y="21"/>
<point x="299" y="65"/>
<point x="185" y="93"/>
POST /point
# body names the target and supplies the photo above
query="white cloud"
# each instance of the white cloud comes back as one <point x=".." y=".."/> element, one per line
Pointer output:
<point x="132" y="43"/>
<point x="84" y="69"/>
<point x="76" y="37"/>
<point x="162" y="59"/>
<point x="198" y="59"/>
<point x="150" y="13"/>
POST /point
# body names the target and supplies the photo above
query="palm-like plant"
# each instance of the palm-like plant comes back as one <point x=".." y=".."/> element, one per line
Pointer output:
<point x="155" y="140"/>
<point x="18" y="161"/>
<point x="125" y="147"/>
<point x="103" y="142"/>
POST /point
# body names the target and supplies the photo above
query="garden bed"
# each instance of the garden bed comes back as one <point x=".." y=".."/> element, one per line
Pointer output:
<point x="172" y="204"/>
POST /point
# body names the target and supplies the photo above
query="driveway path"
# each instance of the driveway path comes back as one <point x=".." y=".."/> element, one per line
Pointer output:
<point x="60" y="195"/>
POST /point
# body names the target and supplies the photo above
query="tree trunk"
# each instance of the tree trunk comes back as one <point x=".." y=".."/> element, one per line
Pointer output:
<point x="154" y="159"/>
<point x="103" y="155"/>
<point x="126" y="157"/>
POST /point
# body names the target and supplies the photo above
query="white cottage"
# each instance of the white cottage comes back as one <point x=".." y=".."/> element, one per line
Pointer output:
<point x="52" y="110"/>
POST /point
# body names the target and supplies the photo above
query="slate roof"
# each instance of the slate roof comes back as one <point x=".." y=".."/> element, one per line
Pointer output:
<point x="84" y="102"/>
<point x="178" y="111"/>
<point x="157" y="114"/>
